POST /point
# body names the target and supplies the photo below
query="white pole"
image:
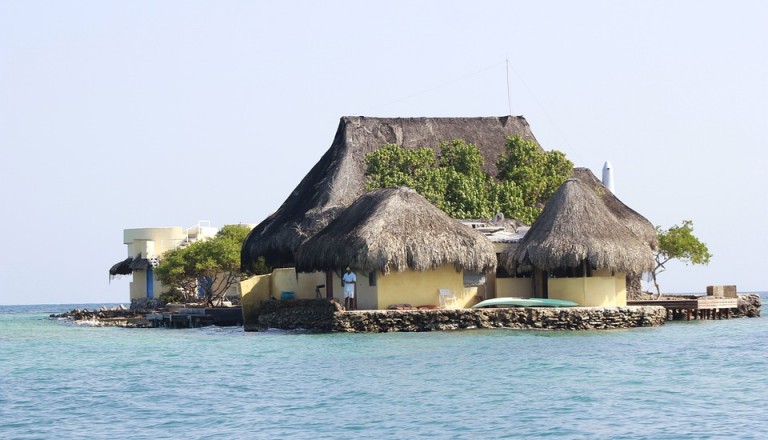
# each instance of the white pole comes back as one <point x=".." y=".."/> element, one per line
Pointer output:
<point x="608" y="176"/>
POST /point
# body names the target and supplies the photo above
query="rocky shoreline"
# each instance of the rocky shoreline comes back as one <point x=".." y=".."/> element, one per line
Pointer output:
<point x="329" y="316"/>
<point x="749" y="305"/>
<point x="119" y="316"/>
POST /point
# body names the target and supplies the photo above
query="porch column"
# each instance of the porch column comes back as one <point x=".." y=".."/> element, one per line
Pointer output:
<point x="329" y="284"/>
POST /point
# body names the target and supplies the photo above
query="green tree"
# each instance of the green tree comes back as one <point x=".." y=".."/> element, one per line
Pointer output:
<point x="454" y="180"/>
<point x="392" y="165"/>
<point x="467" y="186"/>
<point x="205" y="268"/>
<point x="537" y="173"/>
<point x="678" y="243"/>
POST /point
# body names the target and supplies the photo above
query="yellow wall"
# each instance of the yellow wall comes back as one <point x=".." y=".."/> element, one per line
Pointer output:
<point x="253" y="291"/>
<point x="470" y="295"/>
<point x="414" y="288"/>
<point x="620" y="283"/>
<point x="367" y="295"/>
<point x="285" y="280"/>
<point x="517" y="287"/>
<point x="138" y="284"/>
<point x="137" y="288"/>
<point x="595" y="291"/>
<point x="260" y="288"/>
<point x="421" y="288"/>
<point x="308" y="282"/>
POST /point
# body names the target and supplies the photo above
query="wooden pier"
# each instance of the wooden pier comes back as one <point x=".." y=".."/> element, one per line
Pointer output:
<point x="705" y="307"/>
<point x="197" y="317"/>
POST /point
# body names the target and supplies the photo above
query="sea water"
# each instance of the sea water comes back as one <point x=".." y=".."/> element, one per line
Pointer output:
<point x="697" y="379"/>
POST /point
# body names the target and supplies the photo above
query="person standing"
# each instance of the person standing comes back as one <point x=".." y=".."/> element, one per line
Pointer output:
<point x="350" y="282"/>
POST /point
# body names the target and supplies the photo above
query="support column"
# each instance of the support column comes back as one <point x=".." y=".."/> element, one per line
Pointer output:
<point x="329" y="284"/>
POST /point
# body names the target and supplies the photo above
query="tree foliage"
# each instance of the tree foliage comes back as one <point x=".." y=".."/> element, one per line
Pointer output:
<point x="678" y="243"/>
<point x="453" y="178"/>
<point x="204" y="269"/>
<point x="537" y="173"/>
<point x="392" y="165"/>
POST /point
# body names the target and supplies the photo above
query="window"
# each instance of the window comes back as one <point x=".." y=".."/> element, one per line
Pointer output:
<point x="474" y="279"/>
<point x="580" y="271"/>
<point x="371" y="278"/>
<point x="502" y="272"/>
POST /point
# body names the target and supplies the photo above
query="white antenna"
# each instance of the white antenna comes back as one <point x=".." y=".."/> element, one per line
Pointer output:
<point x="509" y="97"/>
<point x="608" y="176"/>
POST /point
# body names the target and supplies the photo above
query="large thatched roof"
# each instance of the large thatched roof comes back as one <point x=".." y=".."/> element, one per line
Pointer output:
<point x="338" y="179"/>
<point x="394" y="229"/>
<point x="626" y="215"/>
<point x="576" y="225"/>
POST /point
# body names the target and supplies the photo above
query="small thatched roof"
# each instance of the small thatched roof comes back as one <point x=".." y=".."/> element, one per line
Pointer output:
<point x="394" y="229"/>
<point x="576" y="226"/>
<point x="338" y="179"/>
<point x="127" y="266"/>
<point x="122" y="267"/>
<point x="626" y="215"/>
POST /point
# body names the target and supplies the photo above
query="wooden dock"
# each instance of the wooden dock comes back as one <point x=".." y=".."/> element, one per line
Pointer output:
<point x="705" y="307"/>
<point x="197" y="317"/>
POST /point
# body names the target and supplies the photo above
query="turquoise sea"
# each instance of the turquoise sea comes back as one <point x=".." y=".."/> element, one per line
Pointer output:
<point x="685" y="380"/>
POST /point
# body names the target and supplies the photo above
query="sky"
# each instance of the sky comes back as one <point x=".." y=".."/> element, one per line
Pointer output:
<point x="118" y="114"/>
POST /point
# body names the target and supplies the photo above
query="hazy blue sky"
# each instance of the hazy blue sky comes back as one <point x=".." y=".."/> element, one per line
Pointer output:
<point x="126" y="114"/>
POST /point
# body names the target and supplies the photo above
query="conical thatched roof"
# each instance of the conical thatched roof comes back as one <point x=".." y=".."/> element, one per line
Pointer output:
<point x="576" y="225"/>
<point x="394" y="229"/>
<point x="626" y="215"/>
<point x="338" y="178"/>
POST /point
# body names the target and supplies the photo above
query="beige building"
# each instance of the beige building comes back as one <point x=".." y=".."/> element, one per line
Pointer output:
<point x="338" y="178"/>
<point x="313" y="234"/>
<point x="337" y="181"/>
<point x="145" y="246"/>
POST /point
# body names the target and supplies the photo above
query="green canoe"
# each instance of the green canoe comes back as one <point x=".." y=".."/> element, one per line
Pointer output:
<point x="524" y="302"/>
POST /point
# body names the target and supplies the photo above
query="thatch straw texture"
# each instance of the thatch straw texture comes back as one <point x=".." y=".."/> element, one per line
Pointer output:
<point x="394" y="229"/>
<point x="338" y="179"/>
<point x="626" y="215"/>
<point x="122" y="267"/>
<point x="576" y="226"/>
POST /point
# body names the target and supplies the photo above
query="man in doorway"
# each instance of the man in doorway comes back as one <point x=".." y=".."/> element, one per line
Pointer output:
<point x="350" y="281"/>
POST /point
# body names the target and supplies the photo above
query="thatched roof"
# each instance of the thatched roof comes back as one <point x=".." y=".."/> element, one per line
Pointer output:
<point x="576" y="225"/>
<point x="338" y="179"/>
<point x="394" y="229"/>
<point x="122" y="267"/>
<point x="626" y="215"/>
<point x="127" y="266"/>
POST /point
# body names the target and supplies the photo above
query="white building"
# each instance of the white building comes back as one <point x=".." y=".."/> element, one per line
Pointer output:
<point x="145" y="246"/>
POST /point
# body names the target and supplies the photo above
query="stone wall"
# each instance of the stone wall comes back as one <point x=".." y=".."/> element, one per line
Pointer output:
<point x="310" y="314"/>
<point x="328" y="316"/>
<point x="146" y="304"/>
<point x="749" y="305"/>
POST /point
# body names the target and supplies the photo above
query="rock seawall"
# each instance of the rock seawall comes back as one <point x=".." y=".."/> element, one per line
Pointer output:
<point x="115" y="317"/>
<point x="749" y="305"/>
<point x="328" y="316"/>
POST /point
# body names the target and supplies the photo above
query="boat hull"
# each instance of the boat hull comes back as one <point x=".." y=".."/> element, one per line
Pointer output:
<point x="523" y="302"/>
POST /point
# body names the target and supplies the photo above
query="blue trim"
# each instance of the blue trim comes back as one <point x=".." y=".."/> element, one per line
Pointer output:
<point x="150" y="283"/>
<point x="203" y="283"/>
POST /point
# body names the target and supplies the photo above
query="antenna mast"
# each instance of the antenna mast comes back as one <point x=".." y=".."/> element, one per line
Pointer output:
<point x="509" y="97"/>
